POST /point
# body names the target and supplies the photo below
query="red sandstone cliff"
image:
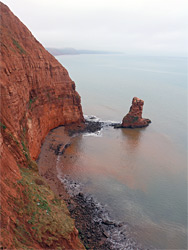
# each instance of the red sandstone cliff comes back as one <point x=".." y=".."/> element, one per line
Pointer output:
<point x="37" y="95"/>
<point x="37" y="92"/>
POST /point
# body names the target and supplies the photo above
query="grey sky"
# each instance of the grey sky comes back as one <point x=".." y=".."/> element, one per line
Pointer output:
<point x="133" y="26"/>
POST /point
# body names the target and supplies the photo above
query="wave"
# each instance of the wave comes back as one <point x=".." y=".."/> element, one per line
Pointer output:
<point x="93" y="118"/>
<point x="96" y="134"/>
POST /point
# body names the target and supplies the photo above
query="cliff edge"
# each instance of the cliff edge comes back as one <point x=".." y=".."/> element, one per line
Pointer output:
<point x="37" y="95"/>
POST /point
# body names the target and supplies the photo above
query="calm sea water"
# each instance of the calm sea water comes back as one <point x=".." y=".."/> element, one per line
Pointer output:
<point x="140" y="174"/>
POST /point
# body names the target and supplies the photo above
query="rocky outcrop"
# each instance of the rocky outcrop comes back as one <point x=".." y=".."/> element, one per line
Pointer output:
<point x="37" y="95"/>
<point x="37" y="92"/>
<point x="134" y="118"/>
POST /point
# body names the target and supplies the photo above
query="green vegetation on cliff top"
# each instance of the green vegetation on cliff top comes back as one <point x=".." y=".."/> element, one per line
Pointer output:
<point x="42" y="218"/>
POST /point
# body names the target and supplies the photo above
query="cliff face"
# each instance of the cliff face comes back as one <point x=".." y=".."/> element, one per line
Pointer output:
<point x="37" y="95"/>
<point x="37" y="92"/>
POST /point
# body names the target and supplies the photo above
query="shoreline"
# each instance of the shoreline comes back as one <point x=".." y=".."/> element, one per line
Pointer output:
<point x="54" y="146"/>
<point x="51" y="150"/>
<point x="96" y="229"/>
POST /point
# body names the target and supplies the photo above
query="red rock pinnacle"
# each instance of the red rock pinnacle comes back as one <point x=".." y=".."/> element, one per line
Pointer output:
<point x="134" y="118"/>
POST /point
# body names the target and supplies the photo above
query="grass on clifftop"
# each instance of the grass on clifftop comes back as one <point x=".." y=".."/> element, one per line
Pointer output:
<point x="42" y="220"/>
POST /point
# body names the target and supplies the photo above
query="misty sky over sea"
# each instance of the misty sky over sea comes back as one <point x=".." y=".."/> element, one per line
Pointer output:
<point x="156" y="27"/>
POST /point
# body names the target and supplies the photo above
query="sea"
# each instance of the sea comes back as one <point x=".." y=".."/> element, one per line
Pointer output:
<point x="139" y="174"/>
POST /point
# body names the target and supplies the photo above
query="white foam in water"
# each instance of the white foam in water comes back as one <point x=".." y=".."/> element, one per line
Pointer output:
<point x="93" y="118"/>
<point x="109" y="122"/>
<point x="105" y="123"/>
<point x="96" y="134"/>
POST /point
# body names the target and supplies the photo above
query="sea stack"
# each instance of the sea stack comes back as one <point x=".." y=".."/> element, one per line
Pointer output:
<point x="134" y="118"/>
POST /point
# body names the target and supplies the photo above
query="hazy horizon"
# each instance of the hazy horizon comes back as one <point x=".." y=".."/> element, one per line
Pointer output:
<point x="138" y="27"/>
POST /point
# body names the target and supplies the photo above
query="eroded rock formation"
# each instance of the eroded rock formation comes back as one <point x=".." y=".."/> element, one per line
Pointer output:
<point x="37" y="95"/>
<point x="134" y="118"/>
<point x="37" y="92"/>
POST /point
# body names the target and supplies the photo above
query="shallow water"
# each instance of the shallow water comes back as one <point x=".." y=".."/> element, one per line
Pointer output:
<point x="140" y="174"/>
